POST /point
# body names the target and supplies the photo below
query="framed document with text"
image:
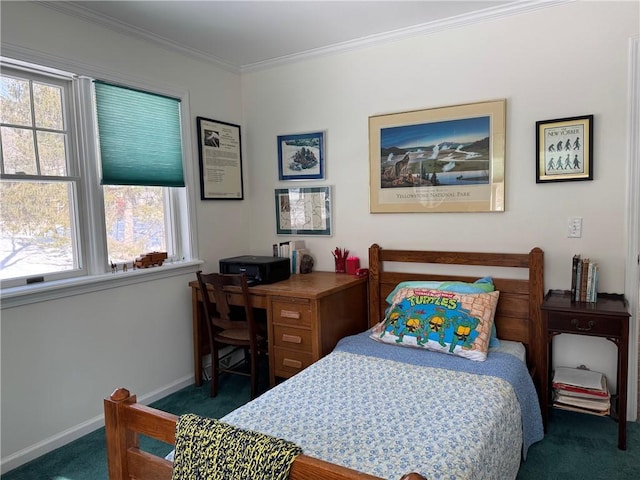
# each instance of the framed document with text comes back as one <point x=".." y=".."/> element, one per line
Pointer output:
<point x="220" y="151"/>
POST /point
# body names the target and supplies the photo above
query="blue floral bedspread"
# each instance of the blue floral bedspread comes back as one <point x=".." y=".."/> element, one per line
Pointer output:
<point x="388" y="410"/>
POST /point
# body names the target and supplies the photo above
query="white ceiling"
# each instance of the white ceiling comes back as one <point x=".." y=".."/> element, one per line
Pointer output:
<point x="242" y="35"/>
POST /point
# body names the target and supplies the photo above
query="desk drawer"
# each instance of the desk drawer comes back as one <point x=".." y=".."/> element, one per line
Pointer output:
<point x="234" y="298"/>
<point x="290" y="362"/>
<point x="292" y="311"/>
<point x="293" y="338"/>
<point x="257" y="301"/>
<point x="584" y="324"/>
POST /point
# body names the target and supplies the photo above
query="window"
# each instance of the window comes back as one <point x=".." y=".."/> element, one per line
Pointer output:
<point x="56" y="220"/>
<point x="39" y="185"/>
<point x="141" y="152"/>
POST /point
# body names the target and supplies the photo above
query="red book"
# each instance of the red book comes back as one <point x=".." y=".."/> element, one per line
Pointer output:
<point x="587" y="391"/>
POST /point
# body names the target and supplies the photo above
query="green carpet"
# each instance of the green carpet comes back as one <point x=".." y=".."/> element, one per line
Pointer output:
<point x="577" y="446"/>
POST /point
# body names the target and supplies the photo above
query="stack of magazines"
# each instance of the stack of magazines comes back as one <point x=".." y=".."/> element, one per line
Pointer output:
<point x="581" y="390"/>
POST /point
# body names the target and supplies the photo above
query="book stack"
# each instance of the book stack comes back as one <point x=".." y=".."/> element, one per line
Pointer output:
<point x="295" y="250"/>
<point x="581" y="390"/>
<point x="584" y="280"/>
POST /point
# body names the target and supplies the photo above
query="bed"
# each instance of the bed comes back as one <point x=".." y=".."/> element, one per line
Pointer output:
<point x="400" y="410"/>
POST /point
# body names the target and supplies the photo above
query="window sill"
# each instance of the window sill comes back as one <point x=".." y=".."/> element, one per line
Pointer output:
<point x="28" y="294"/>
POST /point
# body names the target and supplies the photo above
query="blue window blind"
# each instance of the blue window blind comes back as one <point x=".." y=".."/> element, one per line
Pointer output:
<point x="140" y="137"/>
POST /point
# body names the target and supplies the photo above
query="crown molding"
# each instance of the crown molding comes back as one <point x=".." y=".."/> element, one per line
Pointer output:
<point x="72" y="9"/>
<point x="493" y="13"/>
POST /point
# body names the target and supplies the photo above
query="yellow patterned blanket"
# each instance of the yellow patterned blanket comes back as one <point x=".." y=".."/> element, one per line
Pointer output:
<point x="207" y="449"/>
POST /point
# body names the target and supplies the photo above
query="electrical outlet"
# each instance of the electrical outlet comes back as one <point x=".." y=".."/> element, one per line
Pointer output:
<point x="574" y="227"/>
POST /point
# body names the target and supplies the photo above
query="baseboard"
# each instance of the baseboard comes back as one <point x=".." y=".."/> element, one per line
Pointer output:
<point x="69" y="435"/>
<point x="164" y="391"/>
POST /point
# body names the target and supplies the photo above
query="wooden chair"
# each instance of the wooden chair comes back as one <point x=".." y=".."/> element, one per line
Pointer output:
<point x="225" y="329"/>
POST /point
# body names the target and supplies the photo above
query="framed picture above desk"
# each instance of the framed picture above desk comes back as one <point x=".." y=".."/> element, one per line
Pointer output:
<point x="306" y="316"/>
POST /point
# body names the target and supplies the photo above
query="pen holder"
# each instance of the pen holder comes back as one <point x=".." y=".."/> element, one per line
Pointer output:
<point x="353" y="264"/>
<point x="340" y="259"/>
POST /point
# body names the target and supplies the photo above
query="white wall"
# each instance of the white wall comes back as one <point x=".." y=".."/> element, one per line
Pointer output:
<point x="60" y="358"/>
<point x="556" y="62"/>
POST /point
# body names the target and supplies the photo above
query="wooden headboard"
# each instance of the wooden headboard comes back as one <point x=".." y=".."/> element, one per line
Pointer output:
<point x="518" y="315"/>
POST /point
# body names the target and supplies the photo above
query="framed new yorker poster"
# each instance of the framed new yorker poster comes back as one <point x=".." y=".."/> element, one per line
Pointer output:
<point x="564" y="149"/>
<point x="447" y="159"/>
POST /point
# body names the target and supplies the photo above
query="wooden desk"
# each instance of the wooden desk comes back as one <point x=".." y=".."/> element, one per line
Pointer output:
<point x="306" y="316"/>
<point x="607" y="318"/>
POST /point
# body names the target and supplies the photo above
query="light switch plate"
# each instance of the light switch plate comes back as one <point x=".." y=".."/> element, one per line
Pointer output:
<point x="574" y="227"/>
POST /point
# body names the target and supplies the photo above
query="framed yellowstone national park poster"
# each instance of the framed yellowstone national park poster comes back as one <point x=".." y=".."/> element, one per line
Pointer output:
<point x="447" y="159"/>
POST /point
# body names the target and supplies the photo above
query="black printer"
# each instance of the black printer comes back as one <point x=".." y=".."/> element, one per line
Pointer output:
<point x="258" y="269"/>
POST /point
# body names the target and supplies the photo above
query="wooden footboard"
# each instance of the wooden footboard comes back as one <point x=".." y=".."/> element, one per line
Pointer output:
<point x="125" y="419"/>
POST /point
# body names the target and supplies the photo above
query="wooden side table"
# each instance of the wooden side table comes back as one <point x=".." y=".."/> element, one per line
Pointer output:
<point x="607" y="318"/>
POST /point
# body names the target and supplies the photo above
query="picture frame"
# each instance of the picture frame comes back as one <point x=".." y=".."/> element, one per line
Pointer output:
<point x="445" y="159"/>
<point x="303" y="211"/>
<point x="220" y="154"/>
<point x="564" y="149"/>
<point x="301" y="156"/>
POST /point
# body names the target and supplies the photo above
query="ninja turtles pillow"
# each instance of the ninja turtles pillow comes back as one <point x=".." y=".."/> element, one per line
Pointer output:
<point x="449" y="322"/>
<point x="484" y="284"/>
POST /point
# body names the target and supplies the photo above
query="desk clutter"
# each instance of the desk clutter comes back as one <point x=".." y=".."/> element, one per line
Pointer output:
<point x="296" y="252"/>
<point x="340" y="259"/>
<point x="581" y="390"/>
<point x="345" y="263"/>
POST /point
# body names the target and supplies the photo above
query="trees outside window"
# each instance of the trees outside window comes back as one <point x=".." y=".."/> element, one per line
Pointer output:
<point x="135" y="221"/>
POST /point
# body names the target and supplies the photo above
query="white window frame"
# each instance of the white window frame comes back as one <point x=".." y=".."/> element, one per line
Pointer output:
<point x="66" y="83"/>
<point x="91" y="203"/>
